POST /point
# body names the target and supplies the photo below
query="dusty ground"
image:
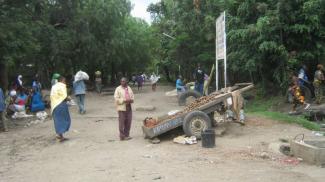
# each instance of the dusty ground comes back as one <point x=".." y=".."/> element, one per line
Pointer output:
<point x="94" y="152"/>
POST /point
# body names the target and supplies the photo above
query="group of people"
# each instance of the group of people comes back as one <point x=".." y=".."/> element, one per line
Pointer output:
<point x="123" y="96"/>
<point x="21" y="99"/>
<point x="140" y="79"/>
<point x="201" y="82"/>
<point x="300" y="81"/>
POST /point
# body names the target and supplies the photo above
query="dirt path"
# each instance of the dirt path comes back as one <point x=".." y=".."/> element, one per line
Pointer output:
<point x="94" y="153"/>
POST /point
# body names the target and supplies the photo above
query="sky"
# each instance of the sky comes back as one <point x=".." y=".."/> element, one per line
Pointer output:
<point x="140" y="9"/>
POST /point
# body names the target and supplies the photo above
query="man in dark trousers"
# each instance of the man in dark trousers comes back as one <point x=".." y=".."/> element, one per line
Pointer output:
<point x="124" y="97"/>
<point x="199" y="79"/>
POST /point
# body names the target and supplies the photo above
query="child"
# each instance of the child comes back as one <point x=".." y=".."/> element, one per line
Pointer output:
<point x="298" y="97"/>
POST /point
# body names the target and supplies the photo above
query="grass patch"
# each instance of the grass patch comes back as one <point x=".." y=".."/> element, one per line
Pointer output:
<point x="261" y="107"/>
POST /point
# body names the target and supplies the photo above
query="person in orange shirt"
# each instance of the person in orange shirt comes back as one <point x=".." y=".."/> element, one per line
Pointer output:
<point x="298" y="97"/>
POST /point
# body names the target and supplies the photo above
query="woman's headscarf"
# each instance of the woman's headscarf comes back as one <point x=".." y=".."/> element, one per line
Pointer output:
<point x="58" y="94"/>
<point x="19" y="81"/>
<point x="55" y="76"/>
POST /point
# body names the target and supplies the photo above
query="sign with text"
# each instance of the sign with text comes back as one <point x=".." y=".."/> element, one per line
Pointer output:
<point x="220" y="36"/>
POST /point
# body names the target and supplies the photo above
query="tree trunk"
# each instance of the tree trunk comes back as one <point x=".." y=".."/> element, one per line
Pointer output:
<point x="113" y="73"/>
<point x="167" y="74"/>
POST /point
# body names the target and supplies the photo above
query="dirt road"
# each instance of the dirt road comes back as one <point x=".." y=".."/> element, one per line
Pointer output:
<point x="94" y="152"/>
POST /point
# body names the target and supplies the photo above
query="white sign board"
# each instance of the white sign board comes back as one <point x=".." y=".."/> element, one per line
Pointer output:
<point x="220" y="31"/>
<point x="221" y="48"/>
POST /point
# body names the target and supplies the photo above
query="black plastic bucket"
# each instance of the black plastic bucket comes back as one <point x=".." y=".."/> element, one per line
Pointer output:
<point x="208" y="138"/>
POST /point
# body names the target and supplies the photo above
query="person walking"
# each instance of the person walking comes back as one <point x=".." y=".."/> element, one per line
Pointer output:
<point x="154" y="79"/>
<point x="59" y="108"/>
<point x="318" y="83"/>
<point x="98" y="81"/>
<point x="79" y="88"/>
<point x="124" y="97"/>
<point x="199" y="79"/>
<point x="140" y="81"/>
<point x="3" y="120"/>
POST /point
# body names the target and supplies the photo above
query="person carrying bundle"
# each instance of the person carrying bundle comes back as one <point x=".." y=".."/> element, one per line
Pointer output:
<point x="79" y="88"/>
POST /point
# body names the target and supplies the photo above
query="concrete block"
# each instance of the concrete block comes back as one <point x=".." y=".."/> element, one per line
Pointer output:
<point x="311" y="151"/>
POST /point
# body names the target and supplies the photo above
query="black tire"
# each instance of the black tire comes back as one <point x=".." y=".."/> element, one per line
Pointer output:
<point x="189" y="93"/>
<point x="195" y="122"/>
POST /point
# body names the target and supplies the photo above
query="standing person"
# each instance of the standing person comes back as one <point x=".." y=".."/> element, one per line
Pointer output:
<point x="124" y="97"/>
<point x="303" y="78"/>
<point x="98" y="81"/>
<point x="79" y="88"/>
<point x="134" y="79"/>
<point x="318" y="81"/>
<point x="36" y="85"/>
<point x="2" y="111"/>
<point x="19" y="82"/>
<point x="59" y="108"/>
<point x="154" y="79"/>
<point x="140" y="81"/>
<point x="199" y="79"/>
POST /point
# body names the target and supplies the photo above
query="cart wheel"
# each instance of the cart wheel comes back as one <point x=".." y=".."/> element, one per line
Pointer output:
<point x="190" y="93"/>
<point x="195" y="122"/>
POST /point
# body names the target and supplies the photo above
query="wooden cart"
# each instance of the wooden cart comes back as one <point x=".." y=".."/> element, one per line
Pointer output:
<point x="200" y="118"/>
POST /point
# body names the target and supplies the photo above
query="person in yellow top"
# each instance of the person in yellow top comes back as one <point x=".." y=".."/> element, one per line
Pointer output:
<point x="59" y="108"/>
<point x="318" y="83"/>
<point x="124" y="97"/>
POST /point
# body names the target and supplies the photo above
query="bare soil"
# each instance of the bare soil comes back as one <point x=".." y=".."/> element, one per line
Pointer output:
<point x="94" y="153"/>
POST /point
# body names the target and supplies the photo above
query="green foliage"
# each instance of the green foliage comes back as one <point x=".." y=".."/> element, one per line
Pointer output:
<point x="263" y="107"/>
<point x="67" y="35"/>
<point x="266" y="39"/>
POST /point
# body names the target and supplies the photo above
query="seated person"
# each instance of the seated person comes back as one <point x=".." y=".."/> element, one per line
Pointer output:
<point x="180" y="87"/>
<point x="37" y="103"/>
<point x="17" y="101"/>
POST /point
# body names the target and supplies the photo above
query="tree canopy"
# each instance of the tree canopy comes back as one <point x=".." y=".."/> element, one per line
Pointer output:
<point x="48" y="36"/>
<point x="266" y="39"/>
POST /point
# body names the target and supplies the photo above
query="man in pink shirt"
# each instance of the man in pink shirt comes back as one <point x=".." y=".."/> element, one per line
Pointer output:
<point x="124" y="97"/>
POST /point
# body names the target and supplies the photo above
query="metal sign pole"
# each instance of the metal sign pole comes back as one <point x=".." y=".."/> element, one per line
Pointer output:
<point x="217" y="63"/>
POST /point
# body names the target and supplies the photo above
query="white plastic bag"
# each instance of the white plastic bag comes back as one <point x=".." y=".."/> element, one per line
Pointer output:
<point x="80" y="75"/>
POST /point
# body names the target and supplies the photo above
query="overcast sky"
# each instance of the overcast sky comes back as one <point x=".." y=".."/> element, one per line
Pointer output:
<point x="140" y="9"/>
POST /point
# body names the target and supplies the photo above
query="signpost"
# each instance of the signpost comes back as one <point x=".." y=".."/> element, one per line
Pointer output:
<point x="221" y="47"/>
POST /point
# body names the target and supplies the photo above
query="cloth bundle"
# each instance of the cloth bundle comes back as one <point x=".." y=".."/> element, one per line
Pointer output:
<point x="80" y="75"/>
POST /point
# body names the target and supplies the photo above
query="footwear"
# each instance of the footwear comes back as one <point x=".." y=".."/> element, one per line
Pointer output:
<point x="292" y="112"/>
<point x="60" y="138"/>
<point x="128" y="138"/>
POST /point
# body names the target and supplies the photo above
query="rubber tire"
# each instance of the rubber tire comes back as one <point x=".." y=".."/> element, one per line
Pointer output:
<point x="189" y="93"/>
<point x="188" y="119"/>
